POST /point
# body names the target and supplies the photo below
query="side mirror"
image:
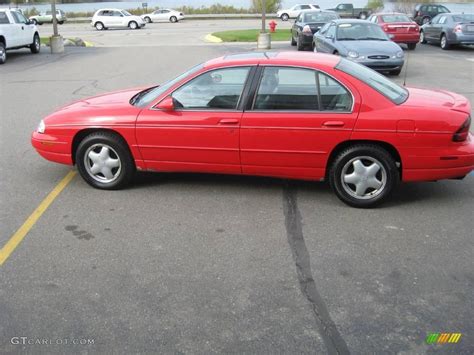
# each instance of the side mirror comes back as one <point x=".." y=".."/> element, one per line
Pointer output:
<point x="167" y="104"/>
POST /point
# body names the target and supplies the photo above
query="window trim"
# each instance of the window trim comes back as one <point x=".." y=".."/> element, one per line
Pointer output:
<point x="316" y="72"/>
<point x="243" y="95"/>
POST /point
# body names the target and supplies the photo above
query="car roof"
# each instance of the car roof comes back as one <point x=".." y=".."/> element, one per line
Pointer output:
<point x="340" y="21"/>
<point x="389" y="13"/>
<point x="274" y="58"/>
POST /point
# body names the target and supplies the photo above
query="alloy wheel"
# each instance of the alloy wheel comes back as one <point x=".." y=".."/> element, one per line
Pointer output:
<point x="102" y="163"/>
<point x="363" y="177"/>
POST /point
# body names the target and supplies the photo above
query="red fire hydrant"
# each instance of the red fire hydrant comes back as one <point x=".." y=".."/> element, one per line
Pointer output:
<point x="272" y="26"/>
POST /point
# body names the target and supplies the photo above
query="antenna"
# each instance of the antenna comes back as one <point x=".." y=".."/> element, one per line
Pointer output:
<point x="406" y="70"/>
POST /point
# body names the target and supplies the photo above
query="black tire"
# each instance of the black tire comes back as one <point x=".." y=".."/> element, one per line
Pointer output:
<point x="99" y="26"/>
<point x="299" y="45"/>
<point x="293" y="42"/>
<point x="60" y="22"/>
<point x="387" y="174"/>
<point x="425" y="20"/>
<point x="148" y="20"/>
<point x="422" y="37"/>
<point x="336" y="53"/>
<point x="285" y="17"/>
<point x="35" y="47"/>
<point x="395" y="72"/>
<point x="122" y="176"/>
<point x="173" y="19"/>
<point x="444" y="42"/>
<point x="3" y="53"/>
<point x="35" y="22"/>
<point x="133" y="25"/>
<point x="411" y="46"/>
<point x="363" y="16"/>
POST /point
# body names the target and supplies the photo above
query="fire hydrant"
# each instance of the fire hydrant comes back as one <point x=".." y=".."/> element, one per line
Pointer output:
<point x="272" y="26"/>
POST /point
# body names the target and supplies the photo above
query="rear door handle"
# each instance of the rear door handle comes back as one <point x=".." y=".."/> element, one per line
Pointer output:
<point x="229" y="121"/>
<point x="333" y="124"/>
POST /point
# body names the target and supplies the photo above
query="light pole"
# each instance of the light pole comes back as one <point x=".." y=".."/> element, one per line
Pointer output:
<point x="264" y="39"/>
<point x="56" y="41"/>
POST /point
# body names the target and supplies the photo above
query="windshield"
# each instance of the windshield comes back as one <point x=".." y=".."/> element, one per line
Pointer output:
<point x="386" y="87"/>
<point x="319" y="17"/>
<point x="395" y="18"/>
<point x="145" y="97"/>
<point x="463" y="18"/>
<point x="360" y="32"/>
<point x="126" y="13"/>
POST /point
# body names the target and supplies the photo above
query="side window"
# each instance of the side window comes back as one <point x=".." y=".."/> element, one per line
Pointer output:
<point x="305" y="7"/>
<point x="435" y="20"/>
<point x="4" y="18"/>
<point x="442" y="20"/>
<point x="19" y="18"/>
<point x="287" y="89"/>
<point x="331" y="33"/>
<point x="299" y="18"/>
<point x="324" y="29"/>
<point x="334" y="97"/>
<point x="443" y="9"/>
<point x="217" y="89"/>
<point x="116" y="14"/>
<point x="166" y="11"/>
<point x="297" y="7"/>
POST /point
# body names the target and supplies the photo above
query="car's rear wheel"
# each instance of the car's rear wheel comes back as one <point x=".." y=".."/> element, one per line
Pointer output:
<point x="293" y="42"/>
<point x="35" y="47"/>
<point x="411" y="46"/>
<point x="173" y="19"/>
<point x="104" y="161"/>
<point x="285" y="17"/>
<point x="363" y="175"/>
<point x="147" y="19"/>
<point x="133" y="25"/>
<point x="3" y="53"/>
<point x="422" y="37"/>
<point x="444" y="43"/>
<point x="99" y="26"/>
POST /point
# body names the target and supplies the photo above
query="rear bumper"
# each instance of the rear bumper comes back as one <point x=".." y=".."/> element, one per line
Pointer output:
<point x="461" y="39"/>
<point x="406" y="38"/>
<point x="52" y="148"/>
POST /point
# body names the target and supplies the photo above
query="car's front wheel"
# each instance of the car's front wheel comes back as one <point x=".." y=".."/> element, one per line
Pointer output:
<point x="422" y="37"/>
<point x="147" y="19"/>
<point x="363" y="175"/>
<point x="395" y="72"/>
<point x="133" y="25"/>
<point x="35" y="47"/>
<point x="299" y="43"/>
<point x="3" y="53"/>
<point x="104" y="161"/>
<point x="99" y="26"/>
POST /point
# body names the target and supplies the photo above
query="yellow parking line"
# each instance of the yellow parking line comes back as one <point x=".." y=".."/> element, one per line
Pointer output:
<point x="20" y="234"/>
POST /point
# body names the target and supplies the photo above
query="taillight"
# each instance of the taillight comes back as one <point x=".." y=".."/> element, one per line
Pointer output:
<point x="458" y="29"/>
<point x="307" y="30"/>
<point x="462" y="133"/>
<point x="385" y="28"/>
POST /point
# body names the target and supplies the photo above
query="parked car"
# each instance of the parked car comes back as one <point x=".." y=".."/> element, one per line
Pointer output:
<point x="448" y="30"/>
<point x="307" y="24"/>
<point x="284" y="114"/>
<point x="116" y="18"/>
<point x="294" y="11"/>
<point x="399" y="27"/>
<point x="16" y="32"/>
<point x="349" y="11"/>
<point x="47" y="17"/>
<point x="423" y="13"/>
<point x="360" y="41"/>
<point x="163" y="15"/>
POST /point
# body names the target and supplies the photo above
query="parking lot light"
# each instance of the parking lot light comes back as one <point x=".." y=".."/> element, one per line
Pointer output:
<point x="56" y="41"/>
<point x="264" y="38"/>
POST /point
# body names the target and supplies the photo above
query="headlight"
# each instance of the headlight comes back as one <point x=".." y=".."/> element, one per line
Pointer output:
<point x="353" y="54"/>
<point x="400" y="54"/>
<point x="41" y="127"/>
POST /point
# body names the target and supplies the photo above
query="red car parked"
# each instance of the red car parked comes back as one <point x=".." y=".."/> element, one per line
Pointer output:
<point x="289" y="115"/>
<point x="399" y="27"/>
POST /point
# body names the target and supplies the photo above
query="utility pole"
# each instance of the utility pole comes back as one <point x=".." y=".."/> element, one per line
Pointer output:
<point x="55" y="20"/>
<point x="56" y="41"/>
<point x="264" y="38"/>
<point x="264" y="15"/>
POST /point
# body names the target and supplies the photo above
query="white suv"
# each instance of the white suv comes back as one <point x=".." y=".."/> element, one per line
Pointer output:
<point x="294" y="11"/>
<point x="116" y="18"/>
<point x="16" y="31"/>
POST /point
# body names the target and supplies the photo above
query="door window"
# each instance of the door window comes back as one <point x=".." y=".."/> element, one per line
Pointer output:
<point x="4" y="18"/>
<point x="19" y="18"/>
<point x="217" y="89"/>
<point x="442" y="20"/>
<point x="305" y="7"/>
<point x="331" y="33"/>
<point x="334" y="96"/>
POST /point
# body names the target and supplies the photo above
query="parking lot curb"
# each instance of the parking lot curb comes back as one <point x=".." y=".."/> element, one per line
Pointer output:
<point x="212" y="39"/>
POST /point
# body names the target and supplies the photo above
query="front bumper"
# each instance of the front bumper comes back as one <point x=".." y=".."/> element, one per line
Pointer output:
<point x="53" y="148"/>
<point x="381" y="65"/>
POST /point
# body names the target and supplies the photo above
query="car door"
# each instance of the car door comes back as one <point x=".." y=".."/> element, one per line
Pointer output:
<point x="155" y="16"/>
<point x="296" y="26"/>
<point x="429" y="28"/>
<point x="21" y="31"/>
<point x="164" y="16"/>
<point x="328" y="42"/>
<point x="298" y="115"/>
<point x="201" y="133"/>
<point x="318" y="37"/>
<point x="28" y="28"/>
<point x="438" y="27"/>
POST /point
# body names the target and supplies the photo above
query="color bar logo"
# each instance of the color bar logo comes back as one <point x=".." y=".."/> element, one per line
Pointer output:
<point x="443" y="338"/>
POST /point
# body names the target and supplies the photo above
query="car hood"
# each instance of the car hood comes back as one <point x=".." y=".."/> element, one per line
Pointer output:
<point x="437" y="98"/>
<point x="371" y="47"/>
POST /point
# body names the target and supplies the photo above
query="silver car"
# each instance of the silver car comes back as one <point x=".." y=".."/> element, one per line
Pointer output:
<point x="448" y="30"/>
<point x="362" y="42"/>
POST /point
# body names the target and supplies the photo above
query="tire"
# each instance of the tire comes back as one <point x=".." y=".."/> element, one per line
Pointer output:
<point x="293" y="42"/>
<point x="61" y="22"/>
<point x="3" y="53"/>
<point x="425" y="20"/>
<point x="148" y="20"/>
<point x="115" y="174"/>
<point x="299" y="45"/>
<point x="133" y="25"/>
<point x="363" y="16"/>
<point x="35" y="22"/>
<point x="422" y="37"/>
<point x="374" y="185"/>
<point x="395" y="72"/>
<point x="35" y="47"/>
<point x="173" y="19"/>
<point x="99" y="26"/>
<point x="411" y="46"/>
<point x="444" y="43"/>
<point x="336" y="53"/>
<point x="285" y="17"/>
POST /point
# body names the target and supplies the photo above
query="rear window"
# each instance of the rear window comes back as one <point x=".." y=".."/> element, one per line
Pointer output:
<point x="376" y="81"/>
<point x="463" y="18"/>
<point x="319" y="17"/>
<point x="3" y="18"/>
<point x="395" y="18"/>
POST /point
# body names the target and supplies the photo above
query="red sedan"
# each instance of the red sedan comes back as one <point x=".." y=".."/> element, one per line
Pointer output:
<point x="289" y="115"/>
<point x="399" y="28"/>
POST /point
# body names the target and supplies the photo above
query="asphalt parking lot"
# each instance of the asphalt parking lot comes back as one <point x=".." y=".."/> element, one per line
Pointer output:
<point x="187" y="263"/>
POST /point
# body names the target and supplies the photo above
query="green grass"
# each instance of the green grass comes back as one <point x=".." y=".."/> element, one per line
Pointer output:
<point x="45" y="40"/>
<point x="251" y="35"/>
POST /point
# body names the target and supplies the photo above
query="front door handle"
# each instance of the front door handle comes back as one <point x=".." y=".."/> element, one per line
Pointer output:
<point x="229" y="121"/>
<point x="333" y="124"/>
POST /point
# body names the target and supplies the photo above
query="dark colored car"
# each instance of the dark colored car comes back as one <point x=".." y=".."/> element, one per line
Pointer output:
<point x="448" y="30"/>
<point x="425" y="12"/>
<point x="307" y="24"/>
